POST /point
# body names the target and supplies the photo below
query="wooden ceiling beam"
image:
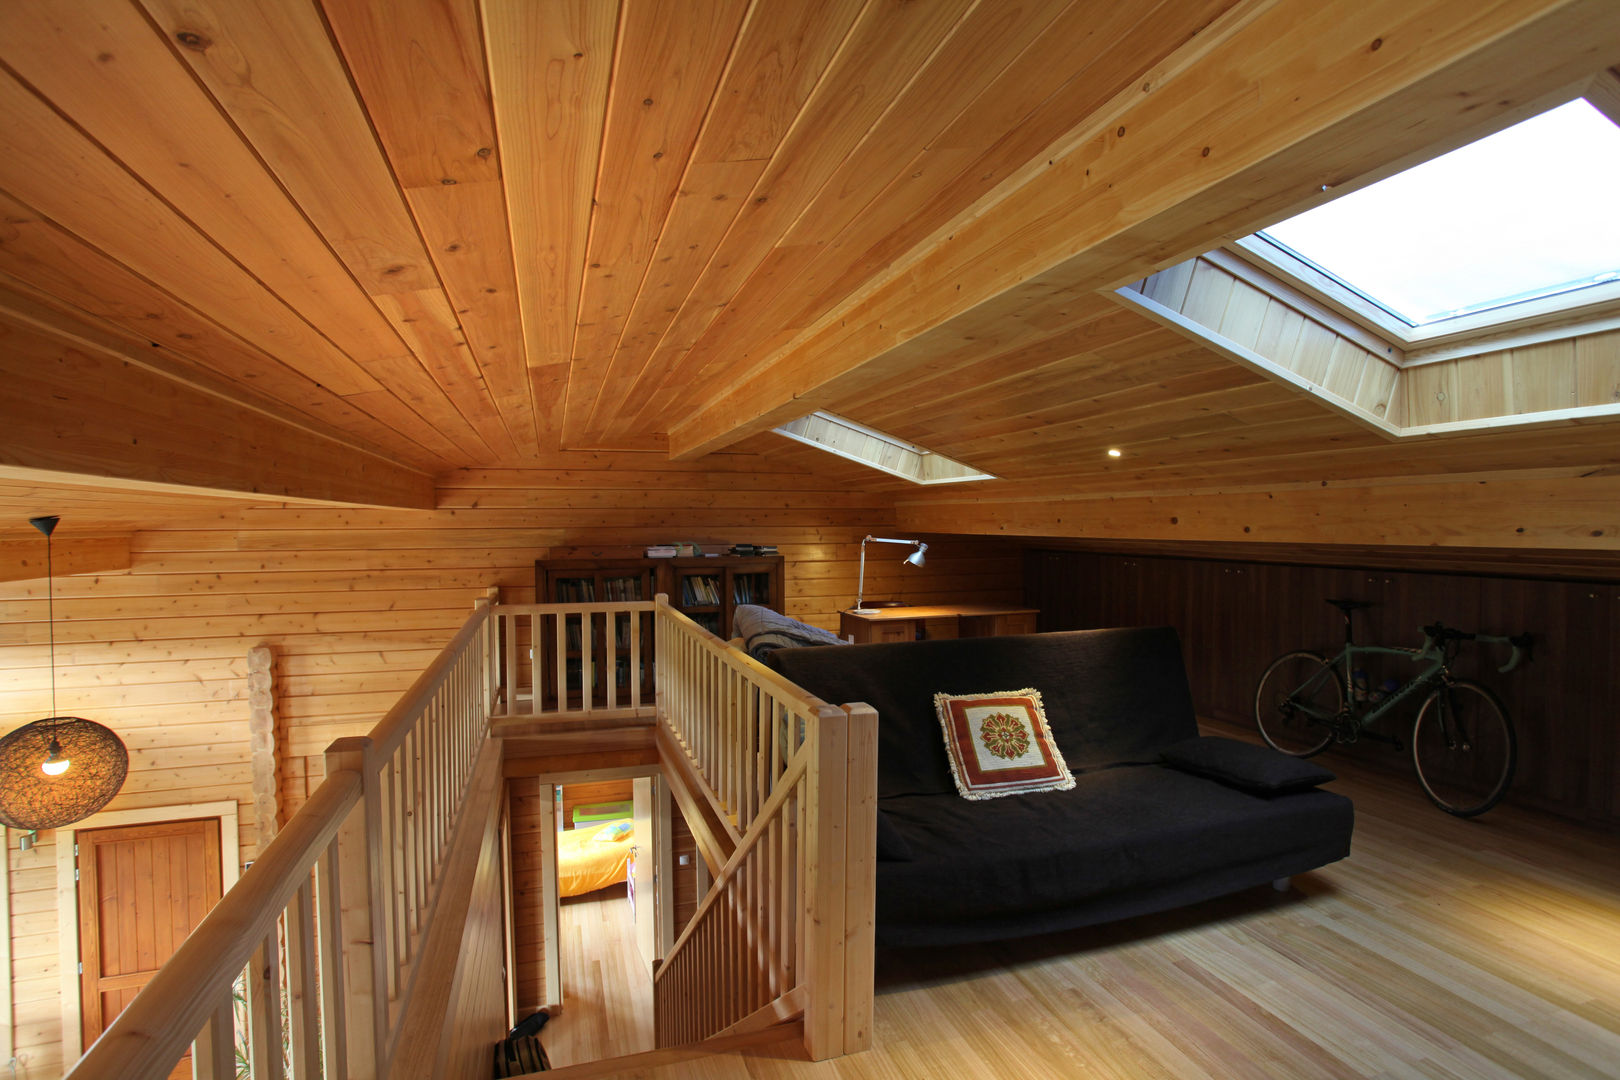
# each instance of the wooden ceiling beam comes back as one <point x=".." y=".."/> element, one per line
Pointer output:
<point x="74" y="411"/>
<point x="1276" y="104"/>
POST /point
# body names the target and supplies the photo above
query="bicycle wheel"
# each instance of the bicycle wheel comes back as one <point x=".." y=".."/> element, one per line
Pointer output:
<point x="1463" y="748"/>
<point x="1295" y="703"/>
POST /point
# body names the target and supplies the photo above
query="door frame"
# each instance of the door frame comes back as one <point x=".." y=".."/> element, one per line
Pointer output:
<point x="67" y="892"/>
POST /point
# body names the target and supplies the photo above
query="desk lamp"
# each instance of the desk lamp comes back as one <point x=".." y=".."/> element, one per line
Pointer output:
<point x="915" y="559"/>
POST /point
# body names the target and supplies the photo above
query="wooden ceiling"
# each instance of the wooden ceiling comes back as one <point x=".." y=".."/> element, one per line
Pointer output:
<point x="274" y="238"/>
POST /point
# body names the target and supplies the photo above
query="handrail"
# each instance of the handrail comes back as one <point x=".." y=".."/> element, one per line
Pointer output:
<point x="151" y="1034"/>
<point x="786" y="928"/>
<point x="574" y="660"/>
<point x="374" y="836"/>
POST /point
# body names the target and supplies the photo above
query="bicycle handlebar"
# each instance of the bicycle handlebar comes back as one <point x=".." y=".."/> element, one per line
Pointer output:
<point x="1438" y="634"/>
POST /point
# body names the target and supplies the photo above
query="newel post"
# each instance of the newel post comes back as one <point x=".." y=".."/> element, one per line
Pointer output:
<point x="361" y="895"/>
<point x="824" y="841"/>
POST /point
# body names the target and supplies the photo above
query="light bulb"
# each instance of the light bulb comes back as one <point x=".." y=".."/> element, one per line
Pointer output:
<point x="54" y="764"/>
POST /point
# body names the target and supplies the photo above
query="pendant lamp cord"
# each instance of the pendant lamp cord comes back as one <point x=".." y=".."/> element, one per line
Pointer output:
<point x="50" y="616"/>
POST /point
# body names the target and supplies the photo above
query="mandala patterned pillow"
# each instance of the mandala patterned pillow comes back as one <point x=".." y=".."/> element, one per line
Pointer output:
<point x="999" y="744"/>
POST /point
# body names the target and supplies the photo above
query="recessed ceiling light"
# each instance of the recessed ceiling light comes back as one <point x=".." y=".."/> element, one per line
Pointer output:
<point x="1113" y="452"/>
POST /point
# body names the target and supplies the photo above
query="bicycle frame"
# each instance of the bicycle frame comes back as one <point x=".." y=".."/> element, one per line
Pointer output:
<point x="1343" y="663"/>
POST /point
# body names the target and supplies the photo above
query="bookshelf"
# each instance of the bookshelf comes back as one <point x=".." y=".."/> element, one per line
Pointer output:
<point x="707" y="588"/>
<point x="579" y="581"/>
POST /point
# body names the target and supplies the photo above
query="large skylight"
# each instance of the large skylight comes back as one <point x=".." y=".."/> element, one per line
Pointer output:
<point x="1528" y="212"/>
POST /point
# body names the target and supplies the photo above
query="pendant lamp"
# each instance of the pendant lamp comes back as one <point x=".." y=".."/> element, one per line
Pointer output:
<point x="62" y="769"/>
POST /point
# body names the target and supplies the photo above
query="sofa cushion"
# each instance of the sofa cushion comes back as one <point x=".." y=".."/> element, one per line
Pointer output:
<point x="891" y="842"/>
<point x="998" y="744"/>
<point x="1111" y="696"/>
<point x="1246" y="766"/>
<point x="1028" y="858"/>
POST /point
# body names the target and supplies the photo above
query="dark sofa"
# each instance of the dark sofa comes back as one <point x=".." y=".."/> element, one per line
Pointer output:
<point x="1133" y="836"/>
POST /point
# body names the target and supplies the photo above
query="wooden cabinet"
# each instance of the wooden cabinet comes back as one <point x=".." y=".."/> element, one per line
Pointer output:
<point x="706" y="588"/>
<point x="942" y="621"/>
<point x="580" y="581"/>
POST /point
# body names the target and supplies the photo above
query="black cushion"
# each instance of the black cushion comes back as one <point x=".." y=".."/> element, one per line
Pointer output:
<point x="1111" y="696"/>
<point x="1119" y="831"/>
<point x="1246" y="766"/>
<point x="891" y="843"/>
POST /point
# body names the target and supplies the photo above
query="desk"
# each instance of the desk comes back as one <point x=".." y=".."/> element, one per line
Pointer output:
<point x="940" y="621"/>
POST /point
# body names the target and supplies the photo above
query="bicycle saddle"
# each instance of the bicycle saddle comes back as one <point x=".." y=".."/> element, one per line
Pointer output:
<point x="1347" y="606"/>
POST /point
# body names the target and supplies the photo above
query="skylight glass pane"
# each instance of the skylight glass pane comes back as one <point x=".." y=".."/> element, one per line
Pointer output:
<point x="1527" y="212"/>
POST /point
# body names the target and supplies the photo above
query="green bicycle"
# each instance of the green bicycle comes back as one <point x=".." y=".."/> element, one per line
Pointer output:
<point x="1462" y="741"/>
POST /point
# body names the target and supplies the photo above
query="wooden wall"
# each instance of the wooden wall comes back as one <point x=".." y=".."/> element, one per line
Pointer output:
<point x="1558" y="374"/>
<point x="603" y="791"/>
<point x="356" y="602"/>
<point x="476" y="1016"/>
<point x="528" y="926"/>
<point x="1234" y="617"/>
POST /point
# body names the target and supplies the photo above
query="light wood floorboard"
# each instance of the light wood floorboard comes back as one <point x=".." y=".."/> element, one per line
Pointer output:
<point x="1440" y="949"/>
<point x="607" y="989"/>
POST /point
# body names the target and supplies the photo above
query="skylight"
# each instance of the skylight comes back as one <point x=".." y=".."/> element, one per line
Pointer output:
<point x="847" y="439"/>
<point x="1526" y="213"/>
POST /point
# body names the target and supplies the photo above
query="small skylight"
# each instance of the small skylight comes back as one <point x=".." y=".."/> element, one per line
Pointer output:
<point x="847" y="439"/>
<point x="1526" y="213"/>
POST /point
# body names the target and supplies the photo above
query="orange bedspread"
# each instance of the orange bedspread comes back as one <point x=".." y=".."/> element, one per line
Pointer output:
<point x="587" y="860"/>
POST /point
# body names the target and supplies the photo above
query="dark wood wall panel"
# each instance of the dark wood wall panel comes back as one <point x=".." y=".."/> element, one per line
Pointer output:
<point x="1234" y="617"/>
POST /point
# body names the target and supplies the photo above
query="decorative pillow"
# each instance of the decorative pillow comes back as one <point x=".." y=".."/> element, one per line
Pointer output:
<point x="1246" y="766"/>
<point x="892" y="846"/>
<point x="614" y="833"/>
<point x="999" y="744"/>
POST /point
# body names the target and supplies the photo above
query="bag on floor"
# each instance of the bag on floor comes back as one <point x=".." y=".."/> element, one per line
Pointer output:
<point x="519" y="1055"/>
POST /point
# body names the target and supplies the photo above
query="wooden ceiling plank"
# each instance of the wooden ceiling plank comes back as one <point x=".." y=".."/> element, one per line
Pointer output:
<point x="274" y="70"/>
<point x="73" y="410"/>
<point x="141" y="335"/>
<point x="1319" y="102"/>
<point x="671" y="57"/>
<point x="1574" y="513"/>
<point x="44" y="258"/>
<point x="918" y="148"/>
<point x="419" y="67"/>
<point x="549" y="64"/>
<point x="59" y="175"/>
<point x="102" y="64"/>
<point x="888" y="45"/>
<point x="24" y="560"/>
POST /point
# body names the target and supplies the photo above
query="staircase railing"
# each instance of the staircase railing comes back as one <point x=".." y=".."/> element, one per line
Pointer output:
<point x="574" y="660"/>
<point x="786" y="928"/>
<point x="310" y="959"/>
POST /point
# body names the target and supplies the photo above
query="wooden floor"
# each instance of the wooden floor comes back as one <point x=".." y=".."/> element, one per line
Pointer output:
<point x="1440" y="949"/>
<point x="607" y="991"/>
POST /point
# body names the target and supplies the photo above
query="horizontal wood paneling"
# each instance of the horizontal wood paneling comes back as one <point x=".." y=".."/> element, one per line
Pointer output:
<point x="355" y="603"/>
<point x="1235" y="617"/>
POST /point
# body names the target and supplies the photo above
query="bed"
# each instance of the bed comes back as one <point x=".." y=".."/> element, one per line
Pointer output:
<point x="593" y="857"/>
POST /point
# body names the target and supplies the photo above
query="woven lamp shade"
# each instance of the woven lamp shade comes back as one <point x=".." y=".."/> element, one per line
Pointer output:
<point x="31" y="800"/>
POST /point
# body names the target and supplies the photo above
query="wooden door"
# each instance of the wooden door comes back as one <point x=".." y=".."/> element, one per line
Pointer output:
<point x="142" y="890"/>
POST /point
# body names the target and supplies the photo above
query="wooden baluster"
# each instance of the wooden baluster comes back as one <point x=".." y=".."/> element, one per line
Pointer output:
<point x="394" y="875"/>
<point x="264" y="1009"/>
<point x="587" y="671"/>
<point x="536" y="701"/>
<point x="635" y="660"/>
<point x="610" y="662"/>
<point x="360" y="885"/>
<point x="303" y="1003"/>
<point x="213" y="1052"/>
<point x="329" y="937"/>
<point x="509" y="625"/>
